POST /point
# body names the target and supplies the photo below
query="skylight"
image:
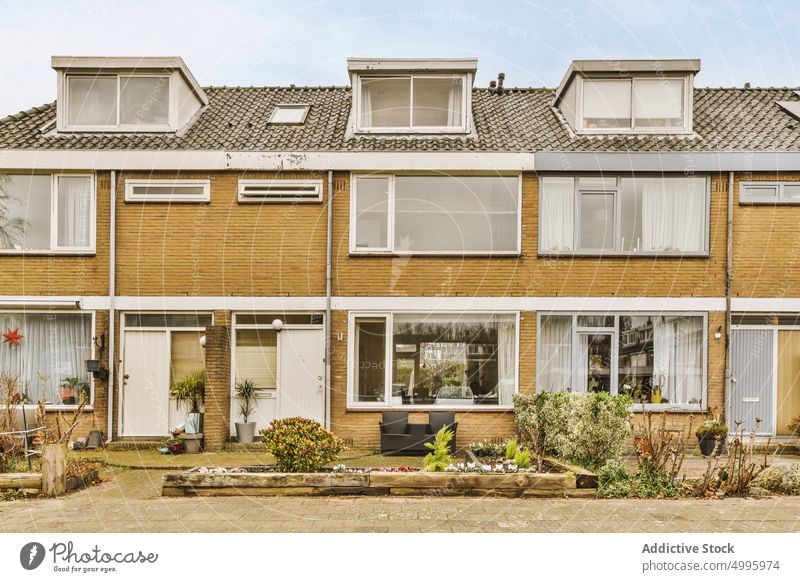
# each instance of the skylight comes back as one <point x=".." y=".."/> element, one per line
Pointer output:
<point x="289" y="114"/>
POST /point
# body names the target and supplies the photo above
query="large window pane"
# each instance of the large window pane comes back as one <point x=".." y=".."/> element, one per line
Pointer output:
<point x="372" y="213"/>
<point x="606" y="104"/>
<point x="385" y="102"/>
<point x="456" y="214"/>
<point x="186" y="354"/>
<point x="658" y="103"/>
<point x="554" y="366"/>
<point x="597" y="221"/>
<point x="453" y="360"/>
<point x="53" y="350"/>
<point x="25" y="222"/>
<point x="438" y="102"/>
<point x="92" y="101"/>
<point x="370" y="370"/>
<point x="557" y="213"/>
<point x="257" y="357"/>
<point x="594" y="371"/>
<point x="74" y="211"/>
<point x="144" y="100"/>
<point x="664" y="214"/>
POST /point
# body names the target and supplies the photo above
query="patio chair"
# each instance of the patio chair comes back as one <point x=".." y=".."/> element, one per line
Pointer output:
<point x="436" y="420"/>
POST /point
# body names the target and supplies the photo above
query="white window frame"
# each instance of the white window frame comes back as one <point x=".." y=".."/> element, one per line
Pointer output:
<point x="54" y="248"/>
<point x="63" y="105"/>
<point x="131" y="196"/>
<point x="466" y="104"/>
<point x="617" y="250"/>
<point x="279" y="106"/>
<point x="352" y="364"/>
<point x="687" y="106"/>
<point x="243" y="198"/>
<point x="779" y="197"/>
<point x="390" y="250"/>
<point x="614" y="331"/>
<point x="93" y="333"/>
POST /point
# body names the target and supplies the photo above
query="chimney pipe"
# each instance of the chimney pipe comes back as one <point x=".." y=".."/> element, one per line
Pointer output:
<point x="500" y="78"/>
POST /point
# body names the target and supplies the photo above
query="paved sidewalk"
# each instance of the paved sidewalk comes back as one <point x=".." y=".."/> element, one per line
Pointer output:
<point x="130" y="502"/>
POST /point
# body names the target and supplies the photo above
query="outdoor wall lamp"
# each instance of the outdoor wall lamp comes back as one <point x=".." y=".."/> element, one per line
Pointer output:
<point x="718" y="333"/>
<point x="94" y="366"/>
<point x="277" y="324"/>
<point x="202" y="341"/>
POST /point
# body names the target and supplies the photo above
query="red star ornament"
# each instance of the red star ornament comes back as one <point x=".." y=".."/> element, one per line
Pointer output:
<point x="12" y="337"/>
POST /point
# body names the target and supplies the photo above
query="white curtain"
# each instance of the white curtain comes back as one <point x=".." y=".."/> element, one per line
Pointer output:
<point x="678" y="359"/>
<point x="582" y="367"/>
<point x="673" y="214"/>
<point x="366" y="105"/>
<point x="554" y="368"/>
<point x="53" y="347"/>
<point x="454" y="114"/>
<point x="506" y="361"/>
<point x="74" y="211"/>
<point x="557" y="213"/>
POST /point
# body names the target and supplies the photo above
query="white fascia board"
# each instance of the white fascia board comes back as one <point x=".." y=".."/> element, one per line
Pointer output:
<point x="766" y="304"/>
<point x="279" y="161"/>
<point x="667" y="161"/>
<point x="89" y="302"/>
<point x="208" y="303"/>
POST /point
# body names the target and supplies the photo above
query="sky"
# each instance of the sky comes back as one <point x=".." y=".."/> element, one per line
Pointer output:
<point x="302" y="42"/>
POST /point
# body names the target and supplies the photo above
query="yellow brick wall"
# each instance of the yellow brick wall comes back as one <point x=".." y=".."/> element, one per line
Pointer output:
<point x="63" y="274"/>
<point x="766" y="244"/>
<point x="529" y="274"/>
<point x="222" y="247"/>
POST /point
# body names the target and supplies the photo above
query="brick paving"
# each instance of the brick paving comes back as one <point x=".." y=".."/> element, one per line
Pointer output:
<point x="130" y="502"/>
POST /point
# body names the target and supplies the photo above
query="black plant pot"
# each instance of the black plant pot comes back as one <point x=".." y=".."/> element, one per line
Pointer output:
<point x="708" y="442"/>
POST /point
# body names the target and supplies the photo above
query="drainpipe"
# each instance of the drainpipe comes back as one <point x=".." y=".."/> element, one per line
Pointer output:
<point x="728" y="295"/>
<point x="328" y="280"/>
<point x="112" y="276"/>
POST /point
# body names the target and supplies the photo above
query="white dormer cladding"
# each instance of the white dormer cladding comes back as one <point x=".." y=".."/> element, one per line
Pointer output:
<point x="412" y="96"/>
<point x="125" y="94"/>
<point x="628" y="97"/>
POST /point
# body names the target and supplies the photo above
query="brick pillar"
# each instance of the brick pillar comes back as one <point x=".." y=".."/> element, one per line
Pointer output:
<point x="216" y="427"/>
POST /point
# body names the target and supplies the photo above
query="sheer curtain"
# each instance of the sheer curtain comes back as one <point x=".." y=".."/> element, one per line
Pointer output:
<point x="673" y="214"/>
<point x="582" y="367"/>
<point x="53" y="347"/>
<point x="454" y="114"/>
<point x="74" y="211"/>
<point x="366" y="105"/>
<point x="557" y="212"/>
<point x="554" y="369"/>
<point x="678" y="359"/>
<point x="506" y="360"/>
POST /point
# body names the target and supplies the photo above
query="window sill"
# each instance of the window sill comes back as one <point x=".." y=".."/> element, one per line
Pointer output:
<point x="624" y="255"/>
<point x="429" y="408"/>
<point x="679" y="408"/>
<point x="57" y="407"/>
<point x="445" y="254"/>
<point x="46" y="253"/>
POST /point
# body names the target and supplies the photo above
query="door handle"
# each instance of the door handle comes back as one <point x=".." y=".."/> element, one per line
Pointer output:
<point x="126" y="376"/>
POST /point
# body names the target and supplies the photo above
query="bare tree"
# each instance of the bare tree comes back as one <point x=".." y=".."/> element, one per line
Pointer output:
<point x="10" y="228"/>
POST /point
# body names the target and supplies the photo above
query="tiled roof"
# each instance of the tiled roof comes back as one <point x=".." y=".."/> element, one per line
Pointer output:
<point x="520" y="120"/>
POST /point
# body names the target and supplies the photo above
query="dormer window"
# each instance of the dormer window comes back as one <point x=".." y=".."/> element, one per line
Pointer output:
<point x="411" y="96"/>
<point x="125" y="94"/>
<point x="617" y="97"/>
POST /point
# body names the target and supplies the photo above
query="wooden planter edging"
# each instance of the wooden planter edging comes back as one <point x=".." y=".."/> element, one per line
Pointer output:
<point x="373" y="483"/>
<point x="584" y="478"/>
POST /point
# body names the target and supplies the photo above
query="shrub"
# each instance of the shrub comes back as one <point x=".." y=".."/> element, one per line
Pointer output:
<point x="780" y="479"/>
<point x="300" y="445"/>
<point x="439" y="458"/>
<point x="794" y="426"/>
<point x="586" y="429"/>
<point x="522" y="459"/>
<point x="511" y="449"/>
<point x="614" y="480"/>
<point x="712" y="428"/>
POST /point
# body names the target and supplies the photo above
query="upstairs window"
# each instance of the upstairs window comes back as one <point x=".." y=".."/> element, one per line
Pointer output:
<point x="291" y="191"/>
<point x="624" y="215"/>
<point x="647" y="105"/>
<point x="136" y="102"/>
<point x="769" y="193"/>
<point x="412" y="103"/>
<point x="427" y="214"/>
<point x="146" y="190"/>
<point x="47" y="214"/>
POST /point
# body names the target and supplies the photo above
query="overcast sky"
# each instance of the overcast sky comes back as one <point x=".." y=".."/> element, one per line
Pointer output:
<point x="235" y="42"/>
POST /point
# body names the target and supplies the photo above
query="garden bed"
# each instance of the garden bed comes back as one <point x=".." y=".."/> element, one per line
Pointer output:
<point x="259" y="480"/>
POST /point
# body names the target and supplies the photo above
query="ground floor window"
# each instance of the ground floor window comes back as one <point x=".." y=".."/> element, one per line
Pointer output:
<point x="424" y="359"/>
<point x="45" y="355"/>
<point x="658" y="359"/>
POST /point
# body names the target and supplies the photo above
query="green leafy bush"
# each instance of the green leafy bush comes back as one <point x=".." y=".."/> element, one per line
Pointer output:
<point x="439" y="458"/>
<point x="301" y="445"/>
<point x="780" y="479"/>
<point x="586" y="429"/>
<point x="614" y="481"/>
<point x="522" y="459"/>
<point x="712" y="428"/>
<point x="511" y="449"/>
<point x="794" y="426"/>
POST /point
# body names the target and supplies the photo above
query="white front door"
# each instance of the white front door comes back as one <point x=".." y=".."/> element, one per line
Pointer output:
<point x="301" y="373"/>
<point x="145" y="384"/>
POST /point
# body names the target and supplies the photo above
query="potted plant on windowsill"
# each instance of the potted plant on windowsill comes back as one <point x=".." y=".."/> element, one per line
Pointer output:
<point x="191" y="390"/>
<point x="246" y="394"/>
<point x="709" y="433"/>
<point x="71" y="390"/>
